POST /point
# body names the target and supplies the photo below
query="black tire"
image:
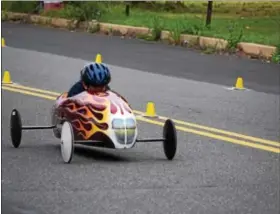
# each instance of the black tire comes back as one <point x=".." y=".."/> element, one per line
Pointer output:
<point x="170" y="142"/>
<point x="55" y="122"/>
<point x="15" y="128"/>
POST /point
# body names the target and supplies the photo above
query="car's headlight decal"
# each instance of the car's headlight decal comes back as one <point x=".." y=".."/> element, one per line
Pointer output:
<point x="124" y="129"/>
<point x="130" y="123"/>
<point x="118" y="124"/>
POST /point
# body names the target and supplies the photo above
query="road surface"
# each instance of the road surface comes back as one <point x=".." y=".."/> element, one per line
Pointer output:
<point x="213" y="171"/>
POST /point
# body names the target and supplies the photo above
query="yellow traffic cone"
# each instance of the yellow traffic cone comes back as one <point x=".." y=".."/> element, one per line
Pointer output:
<point x="7" y="78"/>
<point x="150" y="110"/>
<point x="98" y="58"/>
<point x="3" y="43"/>
<point x="239" y="83"/>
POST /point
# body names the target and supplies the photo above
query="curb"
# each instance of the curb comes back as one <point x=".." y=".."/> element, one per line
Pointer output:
<point x="251" y="49"/>
<point x="257" y="50"/>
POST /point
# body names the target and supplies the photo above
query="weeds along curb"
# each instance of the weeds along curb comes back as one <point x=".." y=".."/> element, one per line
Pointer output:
<point x="251" y="49"/>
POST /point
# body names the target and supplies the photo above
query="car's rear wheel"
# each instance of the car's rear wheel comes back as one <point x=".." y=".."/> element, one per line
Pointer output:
<point x="15" y="128"/>
<point x="55" y="121"/>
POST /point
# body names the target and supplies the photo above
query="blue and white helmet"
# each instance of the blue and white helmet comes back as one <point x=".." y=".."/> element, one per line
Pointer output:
<point x="96" y="74"/>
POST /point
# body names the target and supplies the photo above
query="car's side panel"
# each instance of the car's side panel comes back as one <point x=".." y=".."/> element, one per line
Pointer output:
<point x="102" y="116"/>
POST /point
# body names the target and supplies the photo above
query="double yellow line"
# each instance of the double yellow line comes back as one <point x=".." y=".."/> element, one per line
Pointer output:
<point x="214" y="133"/>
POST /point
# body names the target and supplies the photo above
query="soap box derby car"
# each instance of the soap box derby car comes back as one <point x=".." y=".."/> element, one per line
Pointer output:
<point x="102" y="119"/>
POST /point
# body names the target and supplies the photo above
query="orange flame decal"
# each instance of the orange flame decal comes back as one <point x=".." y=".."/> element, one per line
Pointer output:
<point x="89" y="112"/>
<point x="87" y="117"/>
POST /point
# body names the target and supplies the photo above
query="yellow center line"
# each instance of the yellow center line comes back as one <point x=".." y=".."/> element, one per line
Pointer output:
<point x="218" y="137"/>
<point x="29" y="93"/>
<point x="206" y="134"/>
<point x="269" y="142"/>
<point x="210" y="129"/>
<point x="33" y="89"/>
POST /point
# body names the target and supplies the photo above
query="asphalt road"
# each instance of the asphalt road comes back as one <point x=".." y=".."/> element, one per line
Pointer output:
<point x="156" y="58"/>
<point x="207" y="175"/>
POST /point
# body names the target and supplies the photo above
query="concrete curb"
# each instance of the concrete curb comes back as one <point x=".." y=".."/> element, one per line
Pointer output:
<point x="251" y="49"/>
<point x="257" y="50"/>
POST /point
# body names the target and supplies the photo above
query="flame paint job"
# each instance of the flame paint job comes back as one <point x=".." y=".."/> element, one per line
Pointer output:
<point x="91" y="116"/>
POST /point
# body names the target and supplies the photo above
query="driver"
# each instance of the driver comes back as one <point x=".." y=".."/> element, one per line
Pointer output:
<point x="94" y="77"/>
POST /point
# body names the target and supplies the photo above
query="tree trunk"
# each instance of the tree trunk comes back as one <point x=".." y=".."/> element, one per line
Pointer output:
<point x="127" y="8"/>
<point x="209" y="13"/>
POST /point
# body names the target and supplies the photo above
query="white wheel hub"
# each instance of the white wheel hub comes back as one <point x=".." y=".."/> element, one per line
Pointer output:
<point x="67" y="142"/>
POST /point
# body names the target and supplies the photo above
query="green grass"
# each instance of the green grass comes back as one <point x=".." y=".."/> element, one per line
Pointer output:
<point x="222" y="7"/>
<point x="259" y="21"/>
<point x="264" y="30"/>
<point x="19" y="6"/>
